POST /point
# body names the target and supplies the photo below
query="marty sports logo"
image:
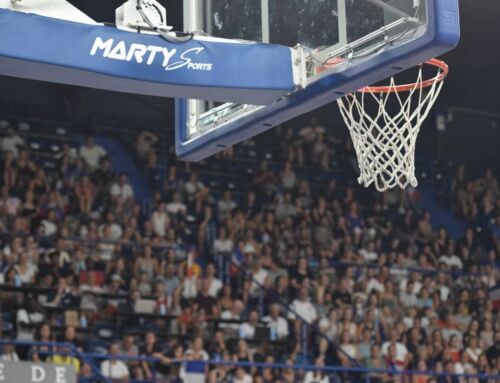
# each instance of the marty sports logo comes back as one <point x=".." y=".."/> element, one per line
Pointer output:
<point x="149" y="54"/>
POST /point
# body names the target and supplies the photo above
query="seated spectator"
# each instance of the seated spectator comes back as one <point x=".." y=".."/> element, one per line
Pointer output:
<point x="122" y="189"/>
<point x="348" y="351"/>
<point x="9" y="353"/>
<point x="113" y="368"/>
<point x="493" y="353"/>
<point x="205" y="301"/>
<point x="215" y="285"/>
<point x="43" y="335"/>
<point x="196" y="351"/>
<point x="278" y="324"/>
<point x="128" y="346"/>
<point x="64" y="355"/>
<point x="225" y="206"/>
<point x="196" y="192"/>
<point x="247" y="329"/>
<point x="473" y="349"/>
<point x="303" y="308"/>
<point x="317" y="376"/>
<point x="395" y="352"/>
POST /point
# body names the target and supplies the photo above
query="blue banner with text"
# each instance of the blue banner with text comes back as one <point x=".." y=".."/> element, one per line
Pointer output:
<point x="104" y="57"/>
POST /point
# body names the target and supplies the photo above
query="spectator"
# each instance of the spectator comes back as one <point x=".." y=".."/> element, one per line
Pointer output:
<point x="9" y="353"/>
<point x="395" y="352"/>
<point x="144" y="145"/>
<point x="92" y="153"/>
<point x="64" y="355"/>
<point x="303" y="308"/>
<point x="317" y="376"/>
<point x="113" y="368"/>
<point x="247" y="329"/>
<point x="122" y="189"/>
<point x="278" y="324"/>
<point x="12" y="142"/>
<point x="196" y="351"/>
<point x="225" y="206"/>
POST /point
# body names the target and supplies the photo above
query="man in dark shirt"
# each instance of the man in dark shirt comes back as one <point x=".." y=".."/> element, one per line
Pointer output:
<point x="342" y="296"/>
<point x="205" y="302"/>
<point x="493" y="353"/>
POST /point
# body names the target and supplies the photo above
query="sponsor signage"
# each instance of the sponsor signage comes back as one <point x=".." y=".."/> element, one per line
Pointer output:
<point x="26" y="372"/>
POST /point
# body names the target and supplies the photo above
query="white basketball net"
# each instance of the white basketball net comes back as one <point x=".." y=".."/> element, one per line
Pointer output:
<point x="385" y="142"/>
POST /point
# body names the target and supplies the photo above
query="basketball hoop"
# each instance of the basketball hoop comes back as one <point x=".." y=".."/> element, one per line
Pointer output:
<point x="385" y="139"/>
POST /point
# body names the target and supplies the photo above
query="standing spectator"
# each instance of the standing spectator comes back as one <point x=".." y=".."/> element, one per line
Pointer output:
<point x="144" y="145"/>
<point x="12" y="142"/>
<point x="92" y="153"/>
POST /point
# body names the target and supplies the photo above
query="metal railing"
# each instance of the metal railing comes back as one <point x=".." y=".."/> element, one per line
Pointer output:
<point x="334" y="374"/>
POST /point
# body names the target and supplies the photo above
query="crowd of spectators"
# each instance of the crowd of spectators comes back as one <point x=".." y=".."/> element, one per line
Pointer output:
<point x="281" y="272"/>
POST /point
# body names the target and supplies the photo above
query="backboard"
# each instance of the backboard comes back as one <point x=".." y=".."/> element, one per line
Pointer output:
<point x="368" y="40"/>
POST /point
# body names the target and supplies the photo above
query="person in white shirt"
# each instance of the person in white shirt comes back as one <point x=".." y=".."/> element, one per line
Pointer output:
<point x="241" y="376"/>
<point x="473" y="349"/>
<point x="122" y="189"/>
<point x="442" y="284"/>
<point x="215" y="283"/>
<point x="9" y="354"/>
<point x="225" y="206"/>
<point x="223" y="245"/>
<point x="276" y="322"/>
<point x="259" y="276"/>
<point x="317" y="376"/>
<point x="233" y="314"/>
<point x="113" y="368"/>
<point x="176" y="206"/>
<point x="304" y="308"/>
<point x="247" y="329"/>
<point x="92" y="153"/>
<point x="160" y="220"/>
<point x="401" y="352"/>
<point x="407" y="297"/>
<point x="9" y="205"/>
<point x="368" y="252"/>
<point x="196" y="351"/>
<point x="11" y="143"/>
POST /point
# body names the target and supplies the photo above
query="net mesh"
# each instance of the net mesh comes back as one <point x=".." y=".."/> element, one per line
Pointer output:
<point x="385" y="137"/>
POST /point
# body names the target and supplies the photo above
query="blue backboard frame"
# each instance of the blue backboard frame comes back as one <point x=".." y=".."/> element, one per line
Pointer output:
<point x="440" y="35"/>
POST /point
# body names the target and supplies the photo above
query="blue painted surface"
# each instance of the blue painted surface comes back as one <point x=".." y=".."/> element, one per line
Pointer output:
<point x="441" y="34"/>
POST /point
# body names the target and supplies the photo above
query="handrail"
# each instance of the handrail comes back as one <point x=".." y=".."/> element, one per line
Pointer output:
<point x="282" y="366"/>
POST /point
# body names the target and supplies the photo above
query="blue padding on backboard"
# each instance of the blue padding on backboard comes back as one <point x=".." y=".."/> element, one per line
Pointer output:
<point x="441" y="34"/>
<point x="48" y="49"/>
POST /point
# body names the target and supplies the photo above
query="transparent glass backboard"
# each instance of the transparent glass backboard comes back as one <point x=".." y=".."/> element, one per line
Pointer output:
<point x="333" y="34"/>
